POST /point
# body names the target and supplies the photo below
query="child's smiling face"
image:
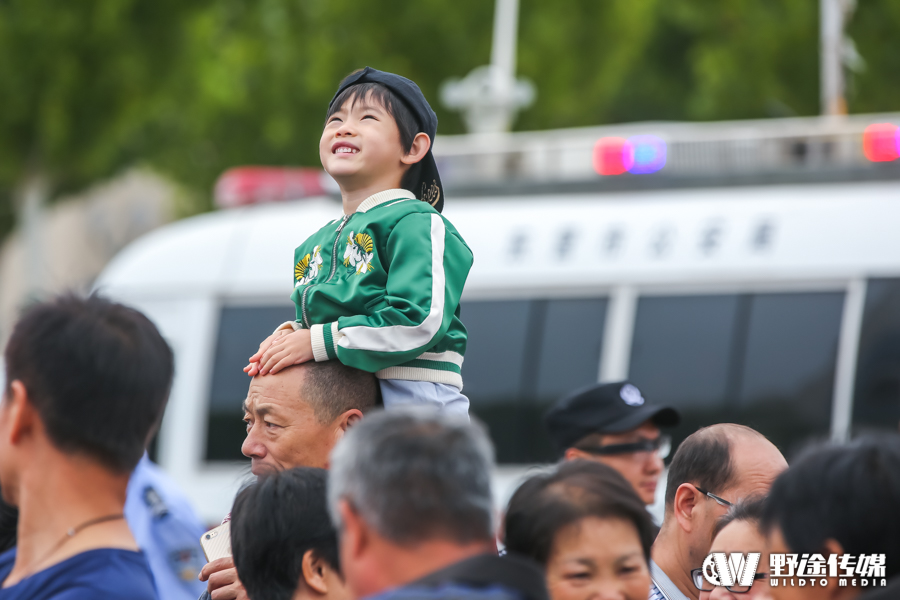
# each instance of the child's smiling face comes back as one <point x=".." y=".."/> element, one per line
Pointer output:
<point x="361" y="145"/>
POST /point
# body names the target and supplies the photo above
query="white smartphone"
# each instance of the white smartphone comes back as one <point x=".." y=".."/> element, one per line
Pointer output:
<point x="216" y="542"/>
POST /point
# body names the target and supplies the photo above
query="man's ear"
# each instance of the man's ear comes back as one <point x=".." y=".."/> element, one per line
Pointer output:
<point x="346" y="421"/>
<point x="420" y="146"/>
<point x="684" y="507"/>
<point x="834" y="591"/>
<point x="354" y="533"/>
<point x="21" y="416"/>
<point x="314" y="572"/>
<point x="342" y="424"/>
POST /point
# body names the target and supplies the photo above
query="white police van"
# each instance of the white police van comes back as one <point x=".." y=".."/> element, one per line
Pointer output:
<point x="777" y="307"/>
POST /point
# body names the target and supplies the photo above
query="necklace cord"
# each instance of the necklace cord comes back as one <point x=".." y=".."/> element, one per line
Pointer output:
<point x="72" y="532"/>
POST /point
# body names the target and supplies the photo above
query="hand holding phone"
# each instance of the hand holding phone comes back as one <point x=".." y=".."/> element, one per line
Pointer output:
<point x="216" y="542"/>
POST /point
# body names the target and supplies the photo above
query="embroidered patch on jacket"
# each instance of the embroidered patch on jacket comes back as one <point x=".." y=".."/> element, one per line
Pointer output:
<point x="358" y="253"/>
<point x="307" y="267"/>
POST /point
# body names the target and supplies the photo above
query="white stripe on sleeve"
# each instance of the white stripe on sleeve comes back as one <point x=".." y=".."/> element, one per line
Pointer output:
<point x="403" y="338"/>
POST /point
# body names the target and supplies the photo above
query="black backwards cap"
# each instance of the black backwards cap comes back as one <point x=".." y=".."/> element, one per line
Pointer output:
<point x="606" y="408"/>
<point x="428" y="188"/>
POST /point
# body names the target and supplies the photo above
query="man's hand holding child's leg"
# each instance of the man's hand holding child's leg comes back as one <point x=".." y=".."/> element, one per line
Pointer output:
<point x="253" y="368"/>
<point x="291" y="349"/>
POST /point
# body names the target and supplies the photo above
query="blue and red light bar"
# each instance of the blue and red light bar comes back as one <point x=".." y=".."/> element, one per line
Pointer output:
<point x="639" y="155"/>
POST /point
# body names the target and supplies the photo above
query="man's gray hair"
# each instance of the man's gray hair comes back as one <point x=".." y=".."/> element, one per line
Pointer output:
<point x="414" y="476"/>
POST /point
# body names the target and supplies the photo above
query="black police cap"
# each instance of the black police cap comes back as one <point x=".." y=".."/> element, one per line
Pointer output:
<point x="606" y="408"/>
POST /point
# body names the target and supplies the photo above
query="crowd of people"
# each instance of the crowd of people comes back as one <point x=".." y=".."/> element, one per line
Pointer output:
<point x="370" y="479"/>
<point x="354" y="501"/>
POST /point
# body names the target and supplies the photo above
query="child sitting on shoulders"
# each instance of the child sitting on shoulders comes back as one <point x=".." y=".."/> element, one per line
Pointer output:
<point x="378" y="288"/>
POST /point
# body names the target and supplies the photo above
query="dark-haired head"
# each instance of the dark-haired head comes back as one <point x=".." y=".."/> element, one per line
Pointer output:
<point x="312" y="403"/>
<point x="282" y="536"/>
<point x="749" y="510"/>
<point x="738" y="532"/>
<point x="97" y="373"/>
<point x="840" y="499"/>
<point x="587" y="527"/>
<point x="546" y="504"/>
<point x="376" y="94"/>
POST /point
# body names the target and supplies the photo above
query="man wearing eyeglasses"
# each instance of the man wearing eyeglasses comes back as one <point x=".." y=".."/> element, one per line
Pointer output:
<point x="713" y="469"/>
<point x="613" y="424"/>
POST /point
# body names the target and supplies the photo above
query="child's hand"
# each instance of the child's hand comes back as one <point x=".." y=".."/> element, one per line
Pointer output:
<point x="291" y="349"/>
<point x="253" y="368"/>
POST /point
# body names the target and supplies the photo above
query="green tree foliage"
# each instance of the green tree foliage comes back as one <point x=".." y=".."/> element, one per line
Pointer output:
<point x="80" y="82"/>
<point x="264" y="72"/>
<point x="670" y="59"/>
<point x="876" y="30"/>
<point x="195" y="87"/>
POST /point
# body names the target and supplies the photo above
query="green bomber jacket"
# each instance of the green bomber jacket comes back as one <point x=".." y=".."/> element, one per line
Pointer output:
<point x="379" y="290"/>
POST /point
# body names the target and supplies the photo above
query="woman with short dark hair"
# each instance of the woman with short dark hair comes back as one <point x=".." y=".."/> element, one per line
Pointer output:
<point x="285" y="547"/>
<point x="738" y="532"/>
<point x="587" y="527"/>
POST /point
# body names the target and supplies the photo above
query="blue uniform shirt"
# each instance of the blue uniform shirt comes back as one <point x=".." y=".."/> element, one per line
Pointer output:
<point x="102" y="574"/>
<point x="168" y="531"/>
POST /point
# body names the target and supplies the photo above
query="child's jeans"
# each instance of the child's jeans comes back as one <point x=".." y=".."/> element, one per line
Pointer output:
<point x="446" y="398"/>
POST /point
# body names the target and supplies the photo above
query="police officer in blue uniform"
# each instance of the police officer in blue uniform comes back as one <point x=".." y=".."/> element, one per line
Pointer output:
<point x="168" y="531"/>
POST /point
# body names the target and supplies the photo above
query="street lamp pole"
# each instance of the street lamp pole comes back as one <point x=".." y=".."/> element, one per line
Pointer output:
<point x="836" y="52"/>
<point x="490" y="96"/>
<point x="503" y="44"/>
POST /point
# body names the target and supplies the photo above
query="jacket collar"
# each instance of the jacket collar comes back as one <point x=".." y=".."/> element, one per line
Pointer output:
<point x="385" y="196"/>
<point x="485" y="570"/>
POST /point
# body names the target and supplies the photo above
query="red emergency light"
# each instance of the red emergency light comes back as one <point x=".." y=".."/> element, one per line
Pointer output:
<point x="613" y="156"/>
<point x="881" y="142"/>
<point x="253" y="185"/>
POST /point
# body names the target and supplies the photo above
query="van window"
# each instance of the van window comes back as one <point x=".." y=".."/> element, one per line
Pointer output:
<point x="495" y="351"/>
<point x="762" y="360"/>
<point x="789" y="364"/>
<point x="521" y="356"/>
<point x="567" y="360"/>
<point x="876" y="402"/>
<point x="241" y="329"/>
<point x="676" y="339"/>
